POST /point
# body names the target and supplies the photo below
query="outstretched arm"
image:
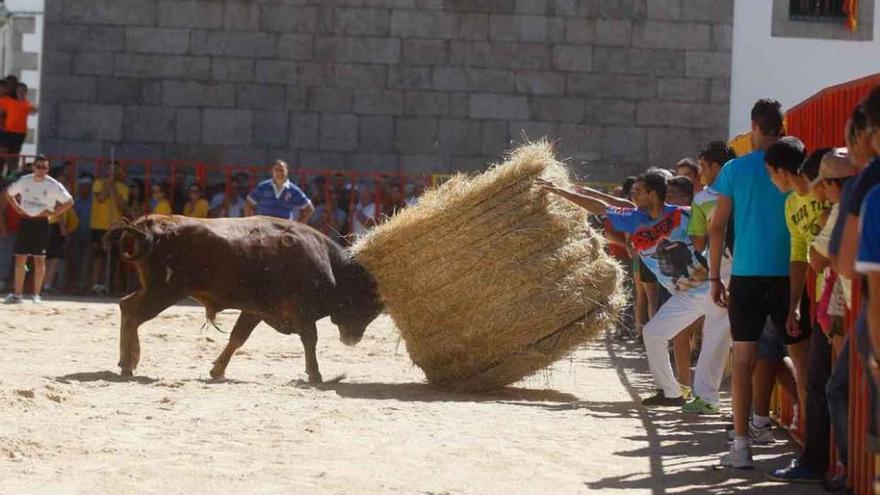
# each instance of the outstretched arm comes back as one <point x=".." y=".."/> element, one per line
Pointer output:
<point x="611" y="200"/>
<point x="593" y="205"/>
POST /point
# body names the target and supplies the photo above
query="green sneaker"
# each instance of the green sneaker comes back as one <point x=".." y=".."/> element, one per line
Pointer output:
<point x="699" y="406"/>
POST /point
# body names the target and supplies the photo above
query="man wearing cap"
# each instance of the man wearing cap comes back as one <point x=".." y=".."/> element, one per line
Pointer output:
<point x="36" y="197"/>
<point x="835" y="171"/>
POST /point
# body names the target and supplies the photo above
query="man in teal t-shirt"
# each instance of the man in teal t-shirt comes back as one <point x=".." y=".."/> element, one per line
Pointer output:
<point x="759" y="281"/>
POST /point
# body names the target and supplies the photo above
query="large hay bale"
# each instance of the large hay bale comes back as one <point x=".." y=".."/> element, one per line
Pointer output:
<point x="489" y="279"/>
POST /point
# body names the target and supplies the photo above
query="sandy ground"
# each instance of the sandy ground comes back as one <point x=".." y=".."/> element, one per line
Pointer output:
<point x="69" y="424"/>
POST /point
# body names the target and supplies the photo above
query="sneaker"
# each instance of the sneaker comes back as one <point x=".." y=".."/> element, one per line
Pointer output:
<point x="795" y="472"/>
<point x="659" y="399"/>
<point x="98" y="290"/>
<point x="37" y="299"/>
<point x="686" y="392"/>
<point x="758" y="436"/>
<point x="738" y="458"/>
<point x="12" y="299"/>
<point x="699" y="406"/>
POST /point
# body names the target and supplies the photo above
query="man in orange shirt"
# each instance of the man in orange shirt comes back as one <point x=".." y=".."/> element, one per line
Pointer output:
<point x="15" y="112"/>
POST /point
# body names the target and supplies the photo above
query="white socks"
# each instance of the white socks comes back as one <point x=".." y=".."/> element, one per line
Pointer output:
<point x="760" y="421"/>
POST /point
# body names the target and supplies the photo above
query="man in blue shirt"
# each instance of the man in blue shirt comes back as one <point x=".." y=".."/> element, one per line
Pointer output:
<point x="280" y="198"/>
<point x="759" y="283"/>
<point x="868" y="264"/>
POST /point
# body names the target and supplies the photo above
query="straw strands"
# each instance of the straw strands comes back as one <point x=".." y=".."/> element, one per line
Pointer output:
<point x="489" y="279"/>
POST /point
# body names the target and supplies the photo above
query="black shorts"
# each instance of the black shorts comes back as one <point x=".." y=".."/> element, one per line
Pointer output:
<point x="33" y="237"/>
<point x="12" y="141"/>
<point x="56" y="242"/>
<point x="754" y="299"/>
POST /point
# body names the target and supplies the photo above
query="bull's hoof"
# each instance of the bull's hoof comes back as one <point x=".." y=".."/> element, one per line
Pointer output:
<point x="217" y="374"/>
<point x="126" y="373"/>
<point x="316" y="379"/>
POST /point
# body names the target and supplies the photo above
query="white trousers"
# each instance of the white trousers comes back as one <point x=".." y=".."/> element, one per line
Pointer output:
<point x="675" y="315"/>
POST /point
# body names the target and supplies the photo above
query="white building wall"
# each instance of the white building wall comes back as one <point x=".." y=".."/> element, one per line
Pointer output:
<point x="30" y="43"/>
<point x="788" y="69"/>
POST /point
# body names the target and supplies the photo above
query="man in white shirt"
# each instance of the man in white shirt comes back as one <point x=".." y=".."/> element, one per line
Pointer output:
<point x="36" y="197"/>
<point x="362" y="213"/>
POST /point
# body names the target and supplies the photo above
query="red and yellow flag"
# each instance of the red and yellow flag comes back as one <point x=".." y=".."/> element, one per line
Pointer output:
<point x="851" y="8"/>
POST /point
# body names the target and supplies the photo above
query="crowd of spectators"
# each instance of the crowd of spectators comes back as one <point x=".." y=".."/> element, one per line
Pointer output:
<point x="754" y="257"/>
<point x="77" y="263"/>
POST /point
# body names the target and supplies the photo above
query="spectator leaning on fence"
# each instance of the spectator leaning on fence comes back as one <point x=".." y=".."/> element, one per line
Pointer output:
<point x="36" y="197"/>
<point x="280" y="198"/>
<point x="854" y="261"/>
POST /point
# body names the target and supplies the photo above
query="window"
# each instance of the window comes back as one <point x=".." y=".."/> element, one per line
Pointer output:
<point x="817" y="10"/>
<point x="822" y="19"/>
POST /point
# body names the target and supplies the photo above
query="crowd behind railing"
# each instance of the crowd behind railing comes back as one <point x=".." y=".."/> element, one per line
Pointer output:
<point x="345" y="204"/>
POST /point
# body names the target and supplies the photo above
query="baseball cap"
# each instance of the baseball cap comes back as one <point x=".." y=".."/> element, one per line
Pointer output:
<point x="834" y="165"/>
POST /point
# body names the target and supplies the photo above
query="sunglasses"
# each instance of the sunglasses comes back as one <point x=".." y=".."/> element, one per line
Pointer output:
<point x="41" y="167"/>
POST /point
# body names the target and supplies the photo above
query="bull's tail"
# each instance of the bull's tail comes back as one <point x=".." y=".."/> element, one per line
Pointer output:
<point x="119" y="236"/>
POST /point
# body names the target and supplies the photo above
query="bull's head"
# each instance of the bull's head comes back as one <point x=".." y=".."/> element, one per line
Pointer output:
<point x="357" y="302"/>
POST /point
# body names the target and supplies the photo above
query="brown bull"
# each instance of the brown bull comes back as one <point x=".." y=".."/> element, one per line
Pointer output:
<point x="284" y="273"/>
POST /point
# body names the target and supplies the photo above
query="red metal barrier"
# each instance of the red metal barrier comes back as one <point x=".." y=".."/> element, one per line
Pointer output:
<point x="861" y="460"/>
<point x="819" y="120"/>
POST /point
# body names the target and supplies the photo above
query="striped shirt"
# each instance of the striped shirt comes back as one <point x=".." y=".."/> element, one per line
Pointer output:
<point x="284" y="202"/>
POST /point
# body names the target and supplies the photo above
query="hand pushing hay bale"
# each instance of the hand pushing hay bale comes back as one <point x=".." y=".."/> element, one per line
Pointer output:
<point x="489" y="279"/>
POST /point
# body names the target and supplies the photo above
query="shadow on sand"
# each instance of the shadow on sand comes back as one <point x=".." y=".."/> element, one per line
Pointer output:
<point x="422" y="392"/>
<point x="103" y="376"/>
<point x="678" y="445"/>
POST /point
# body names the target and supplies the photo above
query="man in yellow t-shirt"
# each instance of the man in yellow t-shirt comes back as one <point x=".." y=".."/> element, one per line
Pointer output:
<point x="108" y="203"/>
<point x="806" y="210"/>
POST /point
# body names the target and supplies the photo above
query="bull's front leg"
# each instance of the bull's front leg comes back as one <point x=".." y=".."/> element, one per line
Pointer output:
<point x="309" y="336"/>
<point x="240" y="332"/>
<point x="136" y="309"/>
<point x="129" y="342"/>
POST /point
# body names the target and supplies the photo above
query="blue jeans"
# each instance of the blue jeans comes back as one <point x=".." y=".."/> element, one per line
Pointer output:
<point x="863" y="347"/>
<point x="837" y="392"/>
<point x="837" y="389"/>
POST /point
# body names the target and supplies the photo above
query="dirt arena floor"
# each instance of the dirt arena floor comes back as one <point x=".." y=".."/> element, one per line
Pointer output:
<point x="69" y="424"/>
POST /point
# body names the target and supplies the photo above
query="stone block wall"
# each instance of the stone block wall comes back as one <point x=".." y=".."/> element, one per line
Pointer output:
<point x="411" y="85"/>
